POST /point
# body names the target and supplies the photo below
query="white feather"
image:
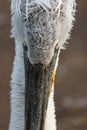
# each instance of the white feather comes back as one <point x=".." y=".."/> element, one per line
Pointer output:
<point x="65" y="23"/>
<point x="17" y="91"/>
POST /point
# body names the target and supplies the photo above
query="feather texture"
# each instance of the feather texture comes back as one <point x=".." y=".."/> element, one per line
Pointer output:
<point x="51" y="20"/>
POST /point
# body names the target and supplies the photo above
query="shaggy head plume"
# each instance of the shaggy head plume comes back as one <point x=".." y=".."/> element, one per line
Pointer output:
<point x="42" y="23"/>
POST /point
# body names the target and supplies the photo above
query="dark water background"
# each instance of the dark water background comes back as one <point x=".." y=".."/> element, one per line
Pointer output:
<point x="71" y="79"/>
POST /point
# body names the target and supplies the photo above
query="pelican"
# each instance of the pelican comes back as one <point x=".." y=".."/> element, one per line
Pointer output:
<point x="40" y="29"/>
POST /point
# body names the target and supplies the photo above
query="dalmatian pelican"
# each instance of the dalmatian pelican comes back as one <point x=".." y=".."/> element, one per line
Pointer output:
<point x="40" y="28"/>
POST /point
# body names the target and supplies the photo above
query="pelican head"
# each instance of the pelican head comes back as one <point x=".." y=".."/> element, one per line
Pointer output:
<point x="42" y="27"/>
<point x="40" y="51"/>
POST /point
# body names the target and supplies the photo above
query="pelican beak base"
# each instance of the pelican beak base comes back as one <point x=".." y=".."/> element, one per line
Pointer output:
<point x="38" y="80"/>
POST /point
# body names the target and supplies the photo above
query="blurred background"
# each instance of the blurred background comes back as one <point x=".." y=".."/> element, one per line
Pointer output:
<point x="71" y="78"/>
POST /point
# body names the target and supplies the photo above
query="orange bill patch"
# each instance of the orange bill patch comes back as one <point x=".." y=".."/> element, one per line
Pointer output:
<point x="53" y="80"/>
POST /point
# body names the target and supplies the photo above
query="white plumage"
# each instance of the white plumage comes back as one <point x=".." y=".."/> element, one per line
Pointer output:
<point x="65" y="11"/>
